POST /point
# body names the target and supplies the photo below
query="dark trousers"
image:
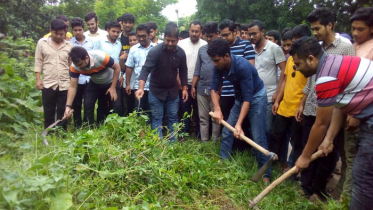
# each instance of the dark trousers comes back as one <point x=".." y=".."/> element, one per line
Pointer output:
<point x="96" y="92"/>
<point x="187" y="107"/>
<point x="280" y="128"/>
<point x="144" y="103"/>
<point x="52" y="99"/>
<point x="128" y="102"/>
<point x="315" y="178"/>
<point x="362" y="170"/>
<point x="77" y="105"/>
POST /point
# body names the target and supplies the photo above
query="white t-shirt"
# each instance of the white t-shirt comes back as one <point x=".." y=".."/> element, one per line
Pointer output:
<point x="191" y="51"/>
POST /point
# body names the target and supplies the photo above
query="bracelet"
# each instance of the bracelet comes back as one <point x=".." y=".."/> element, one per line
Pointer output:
<point x="68" y="106"/>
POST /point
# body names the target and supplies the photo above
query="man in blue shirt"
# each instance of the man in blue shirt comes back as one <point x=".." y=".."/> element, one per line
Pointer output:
<point x="250" y="99"/>
<point x="112" y="46"/>
<point x="77" y="26"/>
<point x="136" y="59"/>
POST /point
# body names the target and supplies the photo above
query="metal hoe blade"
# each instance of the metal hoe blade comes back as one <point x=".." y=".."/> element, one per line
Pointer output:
<point x="259" y="174"/>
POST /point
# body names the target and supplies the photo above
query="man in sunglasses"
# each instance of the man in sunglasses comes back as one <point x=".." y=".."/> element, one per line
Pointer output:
<point x="286" y="105"/>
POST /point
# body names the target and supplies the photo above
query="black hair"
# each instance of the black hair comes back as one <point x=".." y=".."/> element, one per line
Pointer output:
<point x="120" y="19"/>
<point x="184" y="34"/>
<point x="112" y="24"/>
<point x="196" y="22"/>
<point x="128" y="17"/>
<point x="323" y="14"/>
<point x="300" y="31"/>
<point x="211" y="27"/>
<point x="258" y="23"/>
<point x="171" y="29"/>
<point x="76" y="21"/>
<point x="238" y="26"/>
<point x="275" y="34"/>
<point x="284" y="31"/>
<point x="152" y="25"/>
<point x="90" y="15"/>
<point x="58" y="24"/>
<point x="364" y="14"/>
<point x="306" y="46"/>
<point x="227" y="23"/>
<point x="218" y="47"/>
<point x="286" y="35"/>
<point x="131" y="33"/>
<point x="62" y="17"/>
<point x="78" y="53"/>
<point x="143" y="27"/>
<point x="245" y="26"/>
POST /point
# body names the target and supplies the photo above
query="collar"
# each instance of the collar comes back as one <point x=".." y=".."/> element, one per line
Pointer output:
<point x="76" y="41"/>
<point x="116" y="41"/>
<point x="321" y="61"/>
<point x="49" y="41"/>
<point x="335" y="43"/>
<point x="232" y="70"/>
<point x="141" y="47"/>
<point x="237" y="42"/>
<point x="164" y="47"/>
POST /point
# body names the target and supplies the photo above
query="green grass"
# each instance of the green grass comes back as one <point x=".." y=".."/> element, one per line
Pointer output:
<point x="124" y="165"/>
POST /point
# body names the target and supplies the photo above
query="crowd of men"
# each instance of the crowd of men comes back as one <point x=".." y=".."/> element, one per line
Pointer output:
<point x="311" y="92"/>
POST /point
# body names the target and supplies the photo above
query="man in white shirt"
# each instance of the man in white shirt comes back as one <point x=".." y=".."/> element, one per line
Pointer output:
<point x="191" y="46"/>
<point x="94" y="32"/>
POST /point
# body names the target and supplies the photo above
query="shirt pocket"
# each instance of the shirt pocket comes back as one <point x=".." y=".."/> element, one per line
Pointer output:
<point x="175" y="63"/>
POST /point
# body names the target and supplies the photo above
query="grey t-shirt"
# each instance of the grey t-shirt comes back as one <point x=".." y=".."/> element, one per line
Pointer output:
<point x="204" y="69"/>
<point x="266" y="64"/>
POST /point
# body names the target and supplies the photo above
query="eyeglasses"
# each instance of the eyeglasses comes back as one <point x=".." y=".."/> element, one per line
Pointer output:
<point x="226" y="34"/>
<point x="252" y="34"/>
<point x="294" y="71"/>
<point x="141" y="36"/>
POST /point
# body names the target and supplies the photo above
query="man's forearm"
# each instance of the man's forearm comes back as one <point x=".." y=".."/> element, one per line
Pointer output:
<point x="338" y="119"/>
<point x="282" y="76"/>
<point x="215" y="100"/>
<point x="303" y="101"/>
<point x="314" y="140"/>
<point x="37" y="75"/>
<point x="71" y="94"/>
<point x="116" y="75"/>
<point x="244" y="110"/>
<point x="141" y="84"/>
<point x="128" y="76"/>
<point x="280" y="94"/>
<point x="194" y="81"/>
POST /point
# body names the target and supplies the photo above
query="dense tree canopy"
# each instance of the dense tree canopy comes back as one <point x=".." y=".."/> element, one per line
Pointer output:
<point x="276" y="14"/>
<point x="31" y="18"/>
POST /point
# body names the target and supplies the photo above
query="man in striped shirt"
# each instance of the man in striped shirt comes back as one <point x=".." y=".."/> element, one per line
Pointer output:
<point x="104" y="72"/>
<point x="344" y="86"/>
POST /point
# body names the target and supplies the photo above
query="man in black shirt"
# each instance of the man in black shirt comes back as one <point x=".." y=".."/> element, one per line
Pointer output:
<point x="164" y="62"/>
<point x="127" y="23"/>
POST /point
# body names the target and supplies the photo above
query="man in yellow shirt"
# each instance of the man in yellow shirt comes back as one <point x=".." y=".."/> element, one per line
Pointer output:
<point x="66" y="21"/>
<point x="287" y="103"/>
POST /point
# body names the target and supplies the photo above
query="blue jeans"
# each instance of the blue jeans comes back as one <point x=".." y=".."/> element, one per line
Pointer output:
<point x="362" y="171"/>
<point x="157" y="106"/>
<point x="257" y="117"/>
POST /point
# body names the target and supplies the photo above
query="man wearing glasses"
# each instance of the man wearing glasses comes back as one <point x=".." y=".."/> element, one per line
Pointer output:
<point x="135" y="61"/>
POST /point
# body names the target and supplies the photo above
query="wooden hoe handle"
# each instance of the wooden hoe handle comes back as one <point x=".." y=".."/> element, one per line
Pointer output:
<point x="243" y="137"/>
<point x="281" y="179"/>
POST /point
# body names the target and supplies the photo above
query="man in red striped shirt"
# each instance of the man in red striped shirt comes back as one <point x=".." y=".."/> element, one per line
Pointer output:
<point x="344" y="86"/>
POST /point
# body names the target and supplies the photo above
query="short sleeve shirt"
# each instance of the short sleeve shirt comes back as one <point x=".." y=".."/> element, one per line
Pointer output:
<point x="266" y="64"/>
<point x="112" y="49"/>
<point x="100" y="68"/>
<point x="347" y="82"/>
<point x="87" y="44"/>
<point x="136" y="59"/>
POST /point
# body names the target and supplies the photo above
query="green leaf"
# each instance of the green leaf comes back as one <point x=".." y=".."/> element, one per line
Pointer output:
<point x="11" y="196"/>
<point x="61" y="201"/>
